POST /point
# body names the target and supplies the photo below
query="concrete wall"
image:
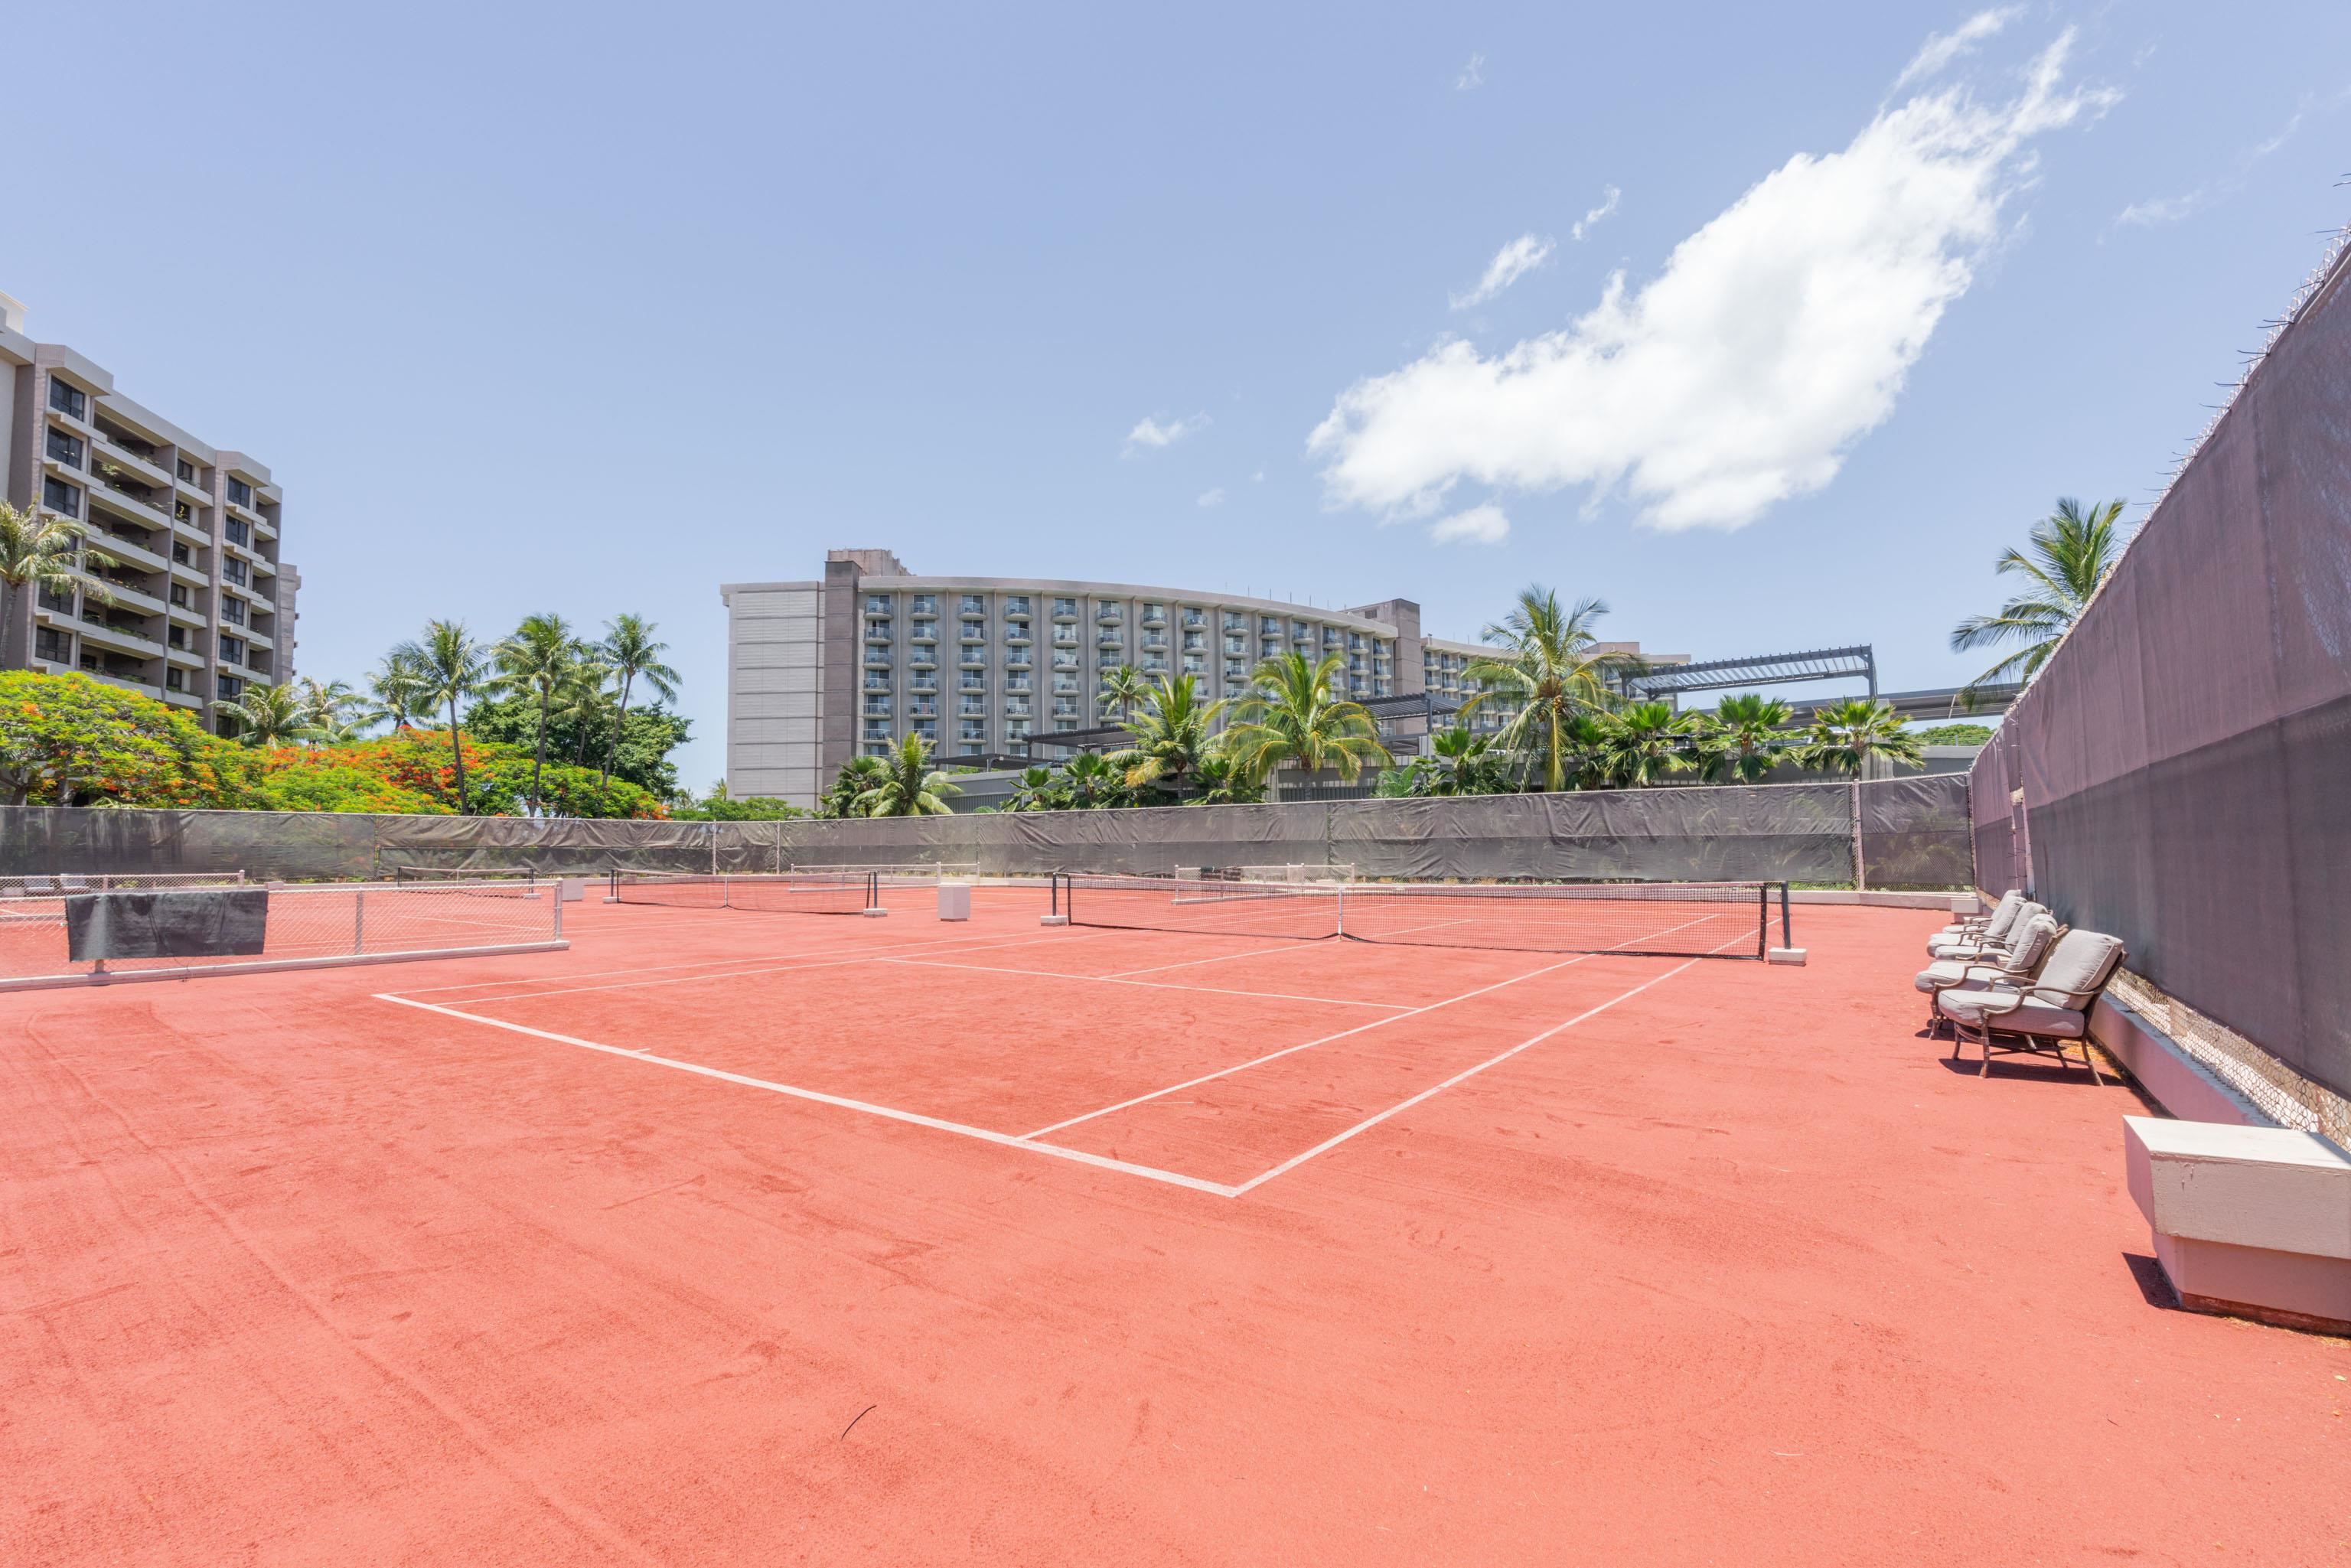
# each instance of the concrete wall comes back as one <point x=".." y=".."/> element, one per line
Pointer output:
<point x="774" y="646"/>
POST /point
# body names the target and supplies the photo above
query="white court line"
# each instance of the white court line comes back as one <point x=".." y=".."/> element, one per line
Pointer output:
<point x="1343" y="1034"/>
<point x="932" y="943"/>
<point x="1150" y="985"/>
<point x="1370" y="1121"/>
<point x="915" y="1118"/>
<point x="1289" y="944"/>
<point x="973" y="944"/>
<point x="1308" y="1045"/>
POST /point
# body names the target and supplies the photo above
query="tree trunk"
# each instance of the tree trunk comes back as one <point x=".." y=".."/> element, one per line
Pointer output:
<point x="457" y="755"/>
<point x="539" y="758"/>
<point x="8" y="660"/>
<point x="612" y="752"/>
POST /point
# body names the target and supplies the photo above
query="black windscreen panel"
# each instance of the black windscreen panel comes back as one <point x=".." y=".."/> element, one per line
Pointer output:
<point x="208" y="923"/>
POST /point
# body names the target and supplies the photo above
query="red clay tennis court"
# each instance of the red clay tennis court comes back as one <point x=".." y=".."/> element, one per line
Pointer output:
<point x="733" y="1234"/>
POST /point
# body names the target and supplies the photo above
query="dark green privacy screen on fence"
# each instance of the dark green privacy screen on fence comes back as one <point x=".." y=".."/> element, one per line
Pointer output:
<point x="2179" y="774"/>
<point x="1913" y="834"/>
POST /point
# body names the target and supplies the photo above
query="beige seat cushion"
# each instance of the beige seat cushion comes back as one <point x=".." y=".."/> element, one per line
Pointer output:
<point x="1990" y="945"/>
<point x="2033" y="942"/>
<point x="2004" y="916"/>
<point x="1960" y="929"/>
<point x="2078" y="968"/>
<point x="2015" y="1012"/>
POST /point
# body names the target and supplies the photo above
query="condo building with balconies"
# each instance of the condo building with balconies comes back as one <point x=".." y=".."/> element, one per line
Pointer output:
<point x="820" y="670"/>
<point x="197" y="603"/>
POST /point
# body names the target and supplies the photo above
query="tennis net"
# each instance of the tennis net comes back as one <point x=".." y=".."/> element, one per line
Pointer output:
<point x="1663" y="919"/>
<point x="521" y="873"/>
<point x="790" y="892"/>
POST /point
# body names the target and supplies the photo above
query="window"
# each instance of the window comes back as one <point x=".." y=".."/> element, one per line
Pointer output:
<point x="1066" y="609"/>
<point x="926" y="604"/>
<point x="240" y="492"/>
<point x="973" y="706"/>
<point x="58" y="497"/>
<point x="974" y="604"/>
<point x="1236" y="621"/>
<point x="1195" y="640"/>
<point x="239" y="533"/>
<point x="1017" y="605"/>
<point x="877" y="708"/>
<point x="234" y="570"/>
<point x="187" y="470"/>
<point x="175" y="679"/>
<point x="52" y="645"/>
<point x="925" y="631"/>
<point x="877" y="729"/>
<point x="181" y="554"/>
<point x="229" y="688"/>
<point x="232" y="650"/>
<point x="232" y="611"/>
<point x="65" y="448"/>
<point x="67" y="400"/>
<point x="180" y="594"/>
<point x="975" y="631"/>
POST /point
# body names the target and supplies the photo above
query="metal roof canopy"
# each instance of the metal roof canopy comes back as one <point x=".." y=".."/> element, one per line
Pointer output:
<point x="1758" y="670"/>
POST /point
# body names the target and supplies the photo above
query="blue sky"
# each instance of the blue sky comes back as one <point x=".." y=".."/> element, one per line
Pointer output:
<point x="584" y="309"/>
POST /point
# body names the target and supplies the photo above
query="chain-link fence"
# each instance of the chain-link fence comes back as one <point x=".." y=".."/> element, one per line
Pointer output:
<point x="1912" y="833"/>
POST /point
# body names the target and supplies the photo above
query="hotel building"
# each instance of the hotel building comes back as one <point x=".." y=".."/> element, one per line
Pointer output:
<point x="198" y="605"/>
<point x="821" y="670"/>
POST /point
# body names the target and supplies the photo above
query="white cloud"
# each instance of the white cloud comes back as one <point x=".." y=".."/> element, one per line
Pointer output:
<point x="1215" y="497"/>
<point x="1473" y="74"/>
<point x="1592" y="218"/>
<point x="1483" y="525"/>
<point x="1150" y="434"/>
<point x="2161" y="209"/>
<point x="2158" y="210"/>
<point x="1513" y="262"/>
<point x="1941" y="48"/>
<point x="1776" y="335"/>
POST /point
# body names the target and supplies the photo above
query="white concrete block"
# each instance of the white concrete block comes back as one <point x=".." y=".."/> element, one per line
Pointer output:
<point x="1785" y="956"/>
<point x="2271" y="1187"/>
<point x="955" y="901"/>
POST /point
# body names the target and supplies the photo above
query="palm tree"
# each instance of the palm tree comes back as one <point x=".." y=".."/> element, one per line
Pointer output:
<point x="270" y="716"/>
<point x="588" y="700"/>
<point x="1122" y="688"/>
<point x="630" y="649"/>
<point x="450" y="669"/>
<point x="1846" y="735"/>
<point x="1225" y="782"/>
<point x="1038" y="790"/>
<point x="41" y="551"/>
<point x="1752" y="734"/>
<point x="908" y="786"/>
<point x="1170" y="736"/>
<point x="396" y="690"/>
<point x="857" y="775"/>
<point x="327" y="705"/>
<point x="539" y="659"/>
<point x="1545" y="666"/>
<point x="1461" y="764"/>
<point x="1646" y="743"/>
<point x="2066" y="555"/>
<point x="1092" y="780"/>
<point x="1290" y="715"/>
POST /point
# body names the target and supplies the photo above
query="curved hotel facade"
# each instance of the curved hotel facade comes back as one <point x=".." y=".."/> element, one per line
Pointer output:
<point x="821" y="670"/>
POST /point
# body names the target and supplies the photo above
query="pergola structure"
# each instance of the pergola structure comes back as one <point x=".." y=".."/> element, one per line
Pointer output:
<point x="1672" y="682"/>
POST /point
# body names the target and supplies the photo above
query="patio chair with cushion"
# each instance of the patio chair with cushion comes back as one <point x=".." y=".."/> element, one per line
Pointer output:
<point x="1972" y="929"/>
<point x="2020" y="966"/>
<point x="1992" y="945"/>
<point x="2044" y="1017"/>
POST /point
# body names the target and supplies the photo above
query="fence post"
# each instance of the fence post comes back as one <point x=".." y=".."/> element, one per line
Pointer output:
<point x="358" y="922"/>
<point x="1860" y="875"/>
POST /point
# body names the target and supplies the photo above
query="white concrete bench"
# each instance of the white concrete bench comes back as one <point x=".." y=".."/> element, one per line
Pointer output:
<point x="2252" y="1221"/>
